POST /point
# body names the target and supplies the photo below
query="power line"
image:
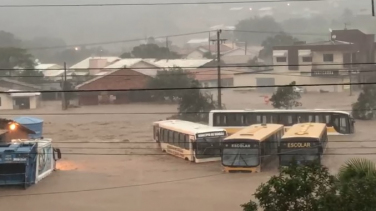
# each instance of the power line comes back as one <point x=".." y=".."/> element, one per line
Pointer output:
<point x="208" y="67"/>
<point x="150" y="142"/>
<point x="116" y="41"/>
<point x="275" y="32"/>
<point x="185" y="88"/>
<point x="149" y="4"/>
<point x="143" y="148"/>
<point x="110" y="188"/>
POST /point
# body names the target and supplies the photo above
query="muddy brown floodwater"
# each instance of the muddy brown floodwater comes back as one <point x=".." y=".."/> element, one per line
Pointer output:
<point x="143" y="178"/>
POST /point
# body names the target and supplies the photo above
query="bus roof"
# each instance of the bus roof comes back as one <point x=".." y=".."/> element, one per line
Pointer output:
<point x="282" y="111"/>
<point x="306" y="130"/>
<point x="190" y="128"/>
<point x="256" y="132"/>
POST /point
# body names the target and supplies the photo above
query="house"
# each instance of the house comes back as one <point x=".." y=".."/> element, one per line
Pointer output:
<point x="114" y="82"/>
<point x="16" y="99"/>
<point x="91" y="66"/>
<point x="12" y="97"/>
<point x="240" y="56"/>
<point x="134" y="63"/>
<point x="208" y="77"/>
<point x="326" y="62"/>
<point x="186" y="64"/>
<point x="199" y="52"/>
<point x="52" y="72"/>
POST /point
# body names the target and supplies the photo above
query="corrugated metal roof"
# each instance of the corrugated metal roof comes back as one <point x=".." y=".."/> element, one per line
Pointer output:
<point x="184" y="63"/>
<point x="52" y="73"/>
<point x="124" y="63"/>
<point x="45" y="66"/>
<point x="86" y="62"/>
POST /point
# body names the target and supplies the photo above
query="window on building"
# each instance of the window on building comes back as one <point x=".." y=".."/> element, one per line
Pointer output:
<point x="281" y="59"/>
<point x="307" y="59"/>
<point x="328" y="57"/>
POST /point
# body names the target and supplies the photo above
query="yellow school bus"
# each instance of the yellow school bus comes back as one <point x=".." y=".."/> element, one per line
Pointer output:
<point x="304" y="143"/>
<point x="251" y="148"/>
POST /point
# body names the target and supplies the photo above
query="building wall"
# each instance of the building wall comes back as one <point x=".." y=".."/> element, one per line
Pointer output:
<point x="251" y="80"/>
<point x="6" y="102"/>
<point x="123" y="79"/>
<point x="317" y="58"/>
<point x="34" y="102"/>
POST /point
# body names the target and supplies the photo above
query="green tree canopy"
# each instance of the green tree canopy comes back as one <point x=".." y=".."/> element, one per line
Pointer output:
<point x="170" y="78"/>
<point x="296" y="188"/>
<point x="151" y="50"/>
<point x="264" y="24"/>
<point x="278" y="39"/>
<point x="286" y="97"/>
<point x="366" y="104"/>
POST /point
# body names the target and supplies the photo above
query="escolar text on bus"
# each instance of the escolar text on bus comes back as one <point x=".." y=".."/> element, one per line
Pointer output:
<point x="298" y="145"/>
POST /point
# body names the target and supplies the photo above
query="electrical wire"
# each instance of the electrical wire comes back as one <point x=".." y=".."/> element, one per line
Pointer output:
<point x="275" y="32"/>
<point x="184" y="88"/>
<point x="111" y="188"/>
<point x="150" y="4"/>
<point x="206" y="66"/>
<point x="116" y="41"/>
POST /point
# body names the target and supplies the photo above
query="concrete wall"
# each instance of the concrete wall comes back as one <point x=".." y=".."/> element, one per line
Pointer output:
<point x="250" y="80"/>
<point x="6" y="102"/>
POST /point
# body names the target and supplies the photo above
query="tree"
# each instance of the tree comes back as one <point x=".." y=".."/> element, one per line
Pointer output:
<point x="208" y="55"/>
<point x="194" y="105"/>
<point x="19" y="63"/>
<point x="264" y="24"/>
<point x="307" y="187"/>
<point x="357" y="182"/>
<point x="286" y="97"/>
<point x="357" y="168"/>
<point x="153" y="51"/>
<point x="366" y="104"/>
<point x="279" y="39"/>
<point x="169" y="79"/>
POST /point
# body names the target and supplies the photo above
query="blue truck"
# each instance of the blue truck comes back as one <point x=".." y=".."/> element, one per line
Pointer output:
<point x="26" y="162"/>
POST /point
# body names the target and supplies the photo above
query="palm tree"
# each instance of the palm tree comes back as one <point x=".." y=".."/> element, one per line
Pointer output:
<point x="357" y="168"/>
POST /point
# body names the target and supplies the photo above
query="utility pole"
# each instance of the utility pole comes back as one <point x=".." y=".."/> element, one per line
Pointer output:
<point x="62" y="89"/>
<point x="64" y="85"/>
<point x="350" y="69"/>
<point x="168" y="50"/>
<point x="219" y="68"/>
<point x="245" y="47"/>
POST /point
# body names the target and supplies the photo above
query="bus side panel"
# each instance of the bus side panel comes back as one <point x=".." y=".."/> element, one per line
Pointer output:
<point x="177" y="151"/>
<point x="239" y="169"/>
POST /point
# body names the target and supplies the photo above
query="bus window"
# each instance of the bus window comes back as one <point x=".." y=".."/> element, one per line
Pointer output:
<point x="170" y="137"/>
<point x="319" y="118"/>
<point x="186" y="142"/>
<point x="327" y="119"/>
<point x="344" y="125"/>
<point x="302" y="118"/>
<point x="287" y="119"/>
<point x="220" y="120"/>
<point x="181" y="140"/>
<point x="235" y="119"/>
<point x="176" y="139"/>
<point x="165" y="136"/>
<point x="258" y="119"/>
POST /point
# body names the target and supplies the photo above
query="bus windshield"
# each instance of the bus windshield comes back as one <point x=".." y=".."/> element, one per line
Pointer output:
<point x="208" y="147"/>
<point x="240" y="157"/>
<point x="301" y="156"/>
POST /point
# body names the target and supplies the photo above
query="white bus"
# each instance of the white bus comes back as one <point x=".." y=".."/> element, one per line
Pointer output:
<point x="337" y="122"/>
<point x="188" y="140"/>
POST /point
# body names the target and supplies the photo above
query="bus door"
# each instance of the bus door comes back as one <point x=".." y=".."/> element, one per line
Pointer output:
<point x="341" y="123"/>
<point x="156" y="133"/>
<point x="192" y="147"/>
